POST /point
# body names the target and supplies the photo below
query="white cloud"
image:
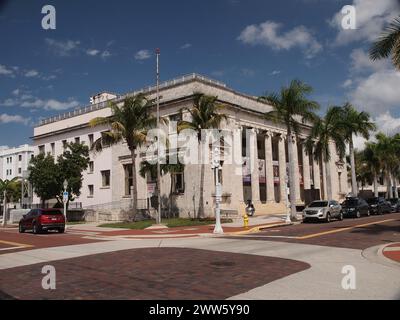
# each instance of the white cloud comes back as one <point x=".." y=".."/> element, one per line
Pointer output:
<point x="92" y="52"/>
<point x="186" y="46"/>
<point x="51" y="104"/>
<point x="267" y="34"/>
<point x="275" y="72"/>
<point x="371" y="16"/>
<point x="142" y="55"/>
<point x="62" y="48"/>
<point x="6" y="118"/>
<point x="361" y="63"/>
<point x="31" y="73"/>
<point x="5" y="71"/>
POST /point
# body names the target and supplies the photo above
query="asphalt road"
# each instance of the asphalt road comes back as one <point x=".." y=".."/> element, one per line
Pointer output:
<point x="350" y="233"/>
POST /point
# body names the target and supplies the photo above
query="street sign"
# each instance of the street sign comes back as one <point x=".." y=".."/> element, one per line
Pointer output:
<point x="151" y="189"/>
<point x="65" y="196"/>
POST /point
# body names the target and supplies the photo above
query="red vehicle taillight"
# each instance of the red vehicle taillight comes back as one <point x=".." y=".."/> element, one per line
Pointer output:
<point x="52" y="219"/>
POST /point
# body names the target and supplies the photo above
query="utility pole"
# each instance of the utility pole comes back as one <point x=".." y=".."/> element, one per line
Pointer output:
<point x="158" y="219"/>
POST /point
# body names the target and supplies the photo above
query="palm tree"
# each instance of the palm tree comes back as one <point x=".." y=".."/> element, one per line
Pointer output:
<point x="354" y="123"/>
<point x="388" y="152"/>
<point x="130" y="123"/>
<point x="165" y="168"/>
<point x="291" y="108"/>
<point x="205" y="114"/>
<point x="388" y="44"/>
<point x="323" y="133"/>
<point x="371" y="159"/>
<point x="7" y="189"/>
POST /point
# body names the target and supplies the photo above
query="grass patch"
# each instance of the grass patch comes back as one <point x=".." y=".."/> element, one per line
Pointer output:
<point x="71" y="223"/>
<point x="170" y="223"/>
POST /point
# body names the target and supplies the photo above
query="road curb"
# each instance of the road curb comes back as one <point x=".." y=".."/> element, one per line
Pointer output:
<point x="260" y="228"/>
<point x="375" y="254"/>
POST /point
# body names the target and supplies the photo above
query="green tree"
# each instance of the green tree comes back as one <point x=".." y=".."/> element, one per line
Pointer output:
<point x="292" y="108"/>
<point x="388" y="44"/>
<point x="130" y="123"/>
<point x="323" y="133"/>
<point x="354" y="123"/>
<point x="371" y="159"/>
<point x="72" y="162"/>
<point x="44" y="177"/>
<point x="204" y="114"/>
<point x="8" y="190"/>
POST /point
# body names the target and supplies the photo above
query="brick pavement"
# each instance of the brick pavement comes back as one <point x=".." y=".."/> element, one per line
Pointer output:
<point x="156" y="273"/>
<point x="392" y="252"/>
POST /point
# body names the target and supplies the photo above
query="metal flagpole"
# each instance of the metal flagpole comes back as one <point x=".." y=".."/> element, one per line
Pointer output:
<point x="158" y="220"/>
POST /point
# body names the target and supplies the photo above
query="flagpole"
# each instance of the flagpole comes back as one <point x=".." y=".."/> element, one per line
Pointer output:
<point x="158" y="220"/>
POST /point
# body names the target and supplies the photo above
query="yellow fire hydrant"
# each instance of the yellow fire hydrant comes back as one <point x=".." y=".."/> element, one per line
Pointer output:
<point x="246" y="220"/>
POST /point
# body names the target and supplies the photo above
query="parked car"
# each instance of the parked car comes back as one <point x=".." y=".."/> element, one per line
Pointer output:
<point x="39" y="220"/>
<point x="379" y="206"/>
<point x="323" y="210"/>
<point x="355" y="207"/>
<point x="395" y="204"/>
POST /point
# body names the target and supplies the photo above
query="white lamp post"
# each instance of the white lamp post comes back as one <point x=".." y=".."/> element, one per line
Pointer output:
<point x="218" y="192"/>
<point x="65" y="200"/>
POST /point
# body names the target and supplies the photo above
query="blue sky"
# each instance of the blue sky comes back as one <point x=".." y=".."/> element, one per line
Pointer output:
<point x="252" y="45"/>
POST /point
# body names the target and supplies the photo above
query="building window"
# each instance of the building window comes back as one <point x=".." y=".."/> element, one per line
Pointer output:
<point x="105" y="177"/>
<point x="41" y="149"/>
<point x="64" y="143"/>
<point x="77" y="140"/>
<point x="91" y="167"/>
<point x="20" y="158"/>
<point x="91" y="140"/>
<point x="178" y="183"/>
<point x="104" y="139"/>
<point x="91" y="190"/>
<point x="128" y="179"/>
<point x="53" y="151"/>
<point x="10" y="172"/>
<point x="19" y="170"/>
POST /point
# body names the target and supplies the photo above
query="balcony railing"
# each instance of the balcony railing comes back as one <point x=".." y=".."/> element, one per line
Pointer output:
<point x="102" y="105"/>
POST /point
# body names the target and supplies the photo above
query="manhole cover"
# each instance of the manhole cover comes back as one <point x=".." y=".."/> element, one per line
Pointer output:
<point x="222" y="264"/>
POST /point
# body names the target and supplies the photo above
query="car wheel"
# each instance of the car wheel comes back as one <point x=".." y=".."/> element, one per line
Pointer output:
<point x="21" y="228"/>
<point x="328" y="218"/>
<point x="36" y="229"/>
<point x="368" y="213"/>
<point x="61" y="230"/>
<point x="358" y="214"/>
<point x="341" y="216"/>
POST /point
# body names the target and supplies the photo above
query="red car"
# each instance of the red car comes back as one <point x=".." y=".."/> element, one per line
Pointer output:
<point x="39" y="220"/>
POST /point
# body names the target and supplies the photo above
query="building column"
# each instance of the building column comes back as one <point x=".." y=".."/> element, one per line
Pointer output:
<point x="255" y="176"/>
<point x="317" y="175"/>
<point x="282" y="169"/>
<point x="269" y="167"/>
<point x="296" y="171"/>
<point x="306" y="169"/>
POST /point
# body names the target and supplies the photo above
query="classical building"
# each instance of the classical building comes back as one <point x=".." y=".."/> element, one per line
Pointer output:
<point x="107" y="182"/>
<point x="14" y="161"/>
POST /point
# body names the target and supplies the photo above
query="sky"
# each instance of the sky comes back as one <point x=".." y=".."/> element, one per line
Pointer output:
<point x="254" y="46"/>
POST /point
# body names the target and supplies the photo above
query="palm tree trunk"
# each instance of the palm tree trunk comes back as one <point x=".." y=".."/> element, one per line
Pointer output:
<point x="389" y="186"/>
<point x="134" y="186"/>
<point x="328" y="181"/>
<point x="376" y="193"/>
<point x="354" y="187"/>
<point x="396" y="191"/>
<point x="292" y="185"/>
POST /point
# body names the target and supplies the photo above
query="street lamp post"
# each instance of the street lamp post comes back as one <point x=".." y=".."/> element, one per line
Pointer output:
<point x="4" y="208"/>
<point x="158" y="218"/>
<point x="218" y="191"/>
<point x="288" y="205"/>
<point x="65" y="200"/>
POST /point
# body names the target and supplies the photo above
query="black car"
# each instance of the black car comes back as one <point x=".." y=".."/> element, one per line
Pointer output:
<point x="355" y="207"/>
<point x="379" y="206"/>
<point x="395" y="204"/>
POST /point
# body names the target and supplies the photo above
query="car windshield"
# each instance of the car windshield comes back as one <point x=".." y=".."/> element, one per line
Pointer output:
<point x="373" y="201"/>
<point x="51" y="212"/>
<point x="350" y="202"/>
<point x="393" y="201"/>
<point x="318" y="204"/>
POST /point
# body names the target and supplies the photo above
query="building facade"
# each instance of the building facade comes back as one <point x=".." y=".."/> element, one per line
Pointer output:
<point x="262" y="148"/>
<point x="14" y="161"/>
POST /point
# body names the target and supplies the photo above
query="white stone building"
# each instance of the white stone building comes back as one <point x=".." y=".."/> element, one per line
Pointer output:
<point x="14" y="161"/>
<point x="107" y="182"/>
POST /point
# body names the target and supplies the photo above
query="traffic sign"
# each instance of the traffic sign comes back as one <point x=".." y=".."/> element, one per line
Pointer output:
<point x="65" y="196"/>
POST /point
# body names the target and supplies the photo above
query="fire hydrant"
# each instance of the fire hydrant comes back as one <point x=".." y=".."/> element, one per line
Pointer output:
<point x="246" y="220"/>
